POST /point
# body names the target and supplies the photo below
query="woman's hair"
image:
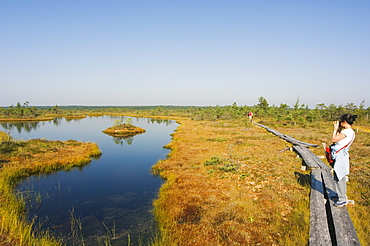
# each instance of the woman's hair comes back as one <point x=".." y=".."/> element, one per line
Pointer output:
<point x="348" y="118"/>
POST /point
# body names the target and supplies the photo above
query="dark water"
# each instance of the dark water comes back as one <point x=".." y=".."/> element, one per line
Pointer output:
<point x="107" y="202"/>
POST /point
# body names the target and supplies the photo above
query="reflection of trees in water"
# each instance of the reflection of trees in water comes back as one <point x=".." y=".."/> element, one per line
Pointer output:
<point x="19" y="126"/>
<point x="72" y="119"/>
<point x="121" y="139"/>
<point x="57" y="121"/>
<point x="160" y="121"/>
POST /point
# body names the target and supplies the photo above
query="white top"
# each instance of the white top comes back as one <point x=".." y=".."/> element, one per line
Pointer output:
<point x="350" y="136"/>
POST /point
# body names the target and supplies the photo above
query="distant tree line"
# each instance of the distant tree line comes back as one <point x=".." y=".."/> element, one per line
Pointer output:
<point x="297" y="114"/>
<point x="20" y="111"/>
<point x="301" y="113"/>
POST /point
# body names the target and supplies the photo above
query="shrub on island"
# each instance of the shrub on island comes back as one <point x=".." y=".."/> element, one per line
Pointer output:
<point x="123" y="129"/>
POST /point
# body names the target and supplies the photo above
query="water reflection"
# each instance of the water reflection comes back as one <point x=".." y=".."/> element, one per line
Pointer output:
<point x="161" y="121"/>
<point x="73" y="119"/>
<point x="111" y="198"/>
<point x="120" y="140"/>
<point x="57" y="121"/>
<point x="19" y="126"/>
<point x="29" y="125"/>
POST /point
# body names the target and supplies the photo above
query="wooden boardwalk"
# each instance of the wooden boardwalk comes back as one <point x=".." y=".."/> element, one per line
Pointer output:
<point x="329" y="225"/>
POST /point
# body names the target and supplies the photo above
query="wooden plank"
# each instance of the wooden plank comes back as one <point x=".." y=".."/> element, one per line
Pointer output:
<point x="319" y="231"/>
<point x="310" y="158"/>
<point x="320" y="163"/>
<point x="344" y="229"/>
<point x="305" y="155"/>
<point x="329" y="185"/>
<point x="287" y="137"/>
<point x="345" y="233"/>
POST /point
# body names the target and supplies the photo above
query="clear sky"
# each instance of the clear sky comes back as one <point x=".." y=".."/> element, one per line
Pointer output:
<point x="190" y="52"/>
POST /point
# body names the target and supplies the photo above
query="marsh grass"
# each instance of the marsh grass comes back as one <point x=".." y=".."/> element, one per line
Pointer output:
<point x="3" y="136"/>
<point x="238" y="191"/>
<point x="20" y="159"/>
<point x="34" y="119"/>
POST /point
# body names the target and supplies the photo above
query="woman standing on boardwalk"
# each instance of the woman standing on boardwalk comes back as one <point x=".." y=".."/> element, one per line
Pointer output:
<point x="343" y="136"/>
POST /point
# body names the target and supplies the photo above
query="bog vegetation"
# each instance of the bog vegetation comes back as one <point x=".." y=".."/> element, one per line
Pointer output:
<point x="229" y="182"/>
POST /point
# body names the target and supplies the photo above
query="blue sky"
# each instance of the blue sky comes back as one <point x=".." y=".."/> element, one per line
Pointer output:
<point x="201" y="53"/>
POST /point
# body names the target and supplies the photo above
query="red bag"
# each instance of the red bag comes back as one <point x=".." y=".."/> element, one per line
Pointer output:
<point x="328" y="155"/>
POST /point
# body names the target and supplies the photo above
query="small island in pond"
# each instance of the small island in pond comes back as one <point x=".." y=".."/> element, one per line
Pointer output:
<point x="120" y="129"/>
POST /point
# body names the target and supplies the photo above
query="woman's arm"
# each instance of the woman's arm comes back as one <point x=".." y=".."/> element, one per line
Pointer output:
<point x="337" y="135"/>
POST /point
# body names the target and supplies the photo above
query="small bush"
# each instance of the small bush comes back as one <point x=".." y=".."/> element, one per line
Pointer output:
<point x="9" y="146"/>
<point x="213" y="161"/>
<point x="223" y="164"/>
<point x="216" y="139"/>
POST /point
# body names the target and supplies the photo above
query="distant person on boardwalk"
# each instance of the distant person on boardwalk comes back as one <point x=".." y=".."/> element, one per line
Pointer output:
<point x="250" y="115"/>
<point x="343" y="136"/>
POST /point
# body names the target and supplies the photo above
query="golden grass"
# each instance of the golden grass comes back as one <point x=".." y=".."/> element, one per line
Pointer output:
<point x="41" y="118"/>
<point x="22" y="159"/>
<point x="3" y="136"/>
<point x="95" y="114"/>
<point x="74" y="117"/>
<point x="229" y="185"/>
